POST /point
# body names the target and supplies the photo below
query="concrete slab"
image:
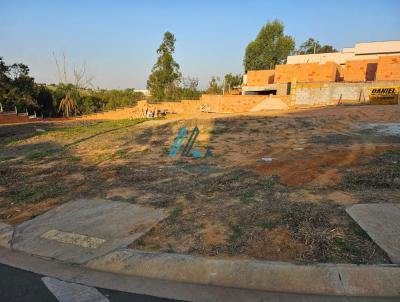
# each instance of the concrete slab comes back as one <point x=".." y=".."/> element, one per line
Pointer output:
<point x="85" y="229"/>
<point x="382" y="223"/>
<point x="6" y="232"/>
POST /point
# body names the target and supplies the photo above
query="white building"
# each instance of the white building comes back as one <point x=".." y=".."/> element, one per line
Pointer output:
<point x="361" y="51"/>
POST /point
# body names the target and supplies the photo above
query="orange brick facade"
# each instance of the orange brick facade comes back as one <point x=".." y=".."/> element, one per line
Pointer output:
<point x="388" y="68"/>
<point x="260" y="77"/>
<point x="385" y="68"/>
<point x="360" y="70"/>
<point x="307" y="72"/>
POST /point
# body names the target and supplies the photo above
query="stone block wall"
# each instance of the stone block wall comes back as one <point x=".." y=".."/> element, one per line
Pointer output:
<point x="323" y="94"/>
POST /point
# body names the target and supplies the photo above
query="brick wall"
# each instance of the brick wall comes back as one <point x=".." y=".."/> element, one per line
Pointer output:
<point x="388" y="68"/>
<point x="236" y="103"/>
<point x="260" y="77"/>
<point x="307" y="72"/>
<point x="360" y="70"/>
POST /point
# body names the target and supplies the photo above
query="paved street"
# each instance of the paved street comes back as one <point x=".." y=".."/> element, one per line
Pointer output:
<point x="20" y="286"/>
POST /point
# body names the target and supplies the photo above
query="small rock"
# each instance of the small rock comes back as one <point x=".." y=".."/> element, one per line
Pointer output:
<point x="40" y="130"/>
<point x="267" y="158"/>
<point x="396" y="181"/>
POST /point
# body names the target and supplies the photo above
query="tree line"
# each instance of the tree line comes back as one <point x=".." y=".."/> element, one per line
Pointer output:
<point x="19" y="90"/>
<point x="271" y="47"/>
<point x="166" y="83"/>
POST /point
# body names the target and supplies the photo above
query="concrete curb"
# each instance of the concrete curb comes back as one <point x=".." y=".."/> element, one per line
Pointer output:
<point x="326" y="279"/>
<point x="181" y="291"/>
<point x="6" y="233"/>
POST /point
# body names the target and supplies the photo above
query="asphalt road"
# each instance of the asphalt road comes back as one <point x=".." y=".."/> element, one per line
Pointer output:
<point x="19" y="286"/>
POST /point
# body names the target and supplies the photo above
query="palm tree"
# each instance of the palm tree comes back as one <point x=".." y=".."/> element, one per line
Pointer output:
<point x="67" y="104"/>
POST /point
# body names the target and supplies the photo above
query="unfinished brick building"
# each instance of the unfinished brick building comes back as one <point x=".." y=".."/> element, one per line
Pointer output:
<point x="306" y="81"/>
<point x="365" y="63"/>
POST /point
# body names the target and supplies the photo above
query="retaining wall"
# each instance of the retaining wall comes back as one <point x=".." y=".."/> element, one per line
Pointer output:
<point x="323" y="94"/>
<point x="213" y="103"/>
<point x="207" y="103"/>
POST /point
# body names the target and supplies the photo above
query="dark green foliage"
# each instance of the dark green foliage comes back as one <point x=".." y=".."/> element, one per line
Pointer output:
<point x="90" y="104"/>
<point x="45" y="101"/>
<point x="111" y="99"/>
<point x="18" y="89"/>
<point x="313" y="46"/>
<point x="271" y="47"/>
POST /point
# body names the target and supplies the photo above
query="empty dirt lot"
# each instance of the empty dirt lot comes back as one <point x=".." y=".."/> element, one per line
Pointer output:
<point x="233" y="204"/>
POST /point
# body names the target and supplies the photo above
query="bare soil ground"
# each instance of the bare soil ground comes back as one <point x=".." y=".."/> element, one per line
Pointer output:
<point x="233" y="204"/>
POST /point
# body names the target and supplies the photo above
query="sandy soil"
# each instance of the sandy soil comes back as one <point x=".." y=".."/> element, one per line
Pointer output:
<point x="233" y="204"/>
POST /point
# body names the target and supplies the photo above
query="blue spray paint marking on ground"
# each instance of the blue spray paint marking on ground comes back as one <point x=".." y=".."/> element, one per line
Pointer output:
<point x="192" y="139"/>
<point x="208" y="152"/>
<point x="178" y="143"/>
<point x="196" y="153"/>
<point x="188" y="146"/>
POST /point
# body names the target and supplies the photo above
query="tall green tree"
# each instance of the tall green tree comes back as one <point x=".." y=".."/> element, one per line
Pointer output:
<point x="313" y="46"/>
<point x="271" y="47"/>
<point x="165" y="76"/>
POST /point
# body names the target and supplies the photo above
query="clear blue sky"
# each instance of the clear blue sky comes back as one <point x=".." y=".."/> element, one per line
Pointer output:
<point x="118" y="39"/>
